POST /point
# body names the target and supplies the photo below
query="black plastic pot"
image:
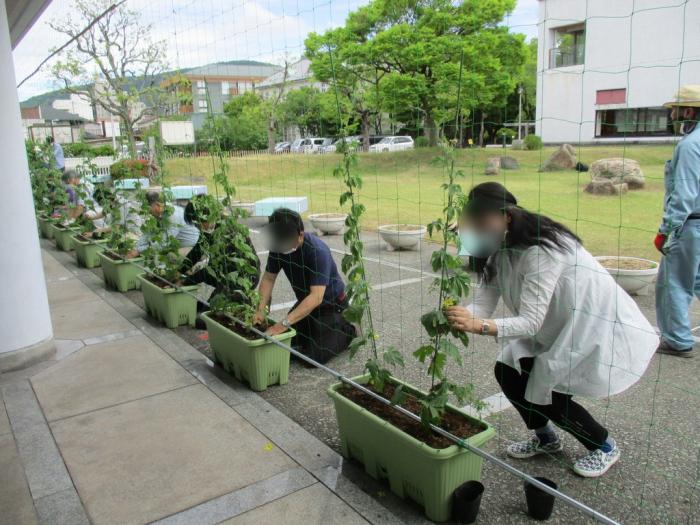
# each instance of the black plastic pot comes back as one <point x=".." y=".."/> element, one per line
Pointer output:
<point x="466" y="501"/>
<point x="539" y="503"/>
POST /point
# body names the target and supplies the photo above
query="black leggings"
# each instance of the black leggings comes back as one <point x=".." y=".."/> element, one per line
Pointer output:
<point x="324" y="333"/>
<point x="564" y="412"/>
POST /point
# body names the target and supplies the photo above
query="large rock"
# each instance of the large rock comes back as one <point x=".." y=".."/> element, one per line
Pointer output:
<point x="562" y="159"/>
<point x="493" y="166"/>
<point x="618" y="171"/>
<point x="509" y="163"/>
<point x="606" y="187"/>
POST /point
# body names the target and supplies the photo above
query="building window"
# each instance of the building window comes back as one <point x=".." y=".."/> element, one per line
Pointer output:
<point x="569" y="46"/>
<point x="202" y="105"/>
<point x="225" y="88"/>
<point x="201" y="87"/>
<point x="633" y="122"/>
<point x="610" y="96"/>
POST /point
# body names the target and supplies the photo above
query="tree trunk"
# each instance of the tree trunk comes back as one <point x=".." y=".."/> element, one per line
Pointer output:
<point x="481" y="130"/>
<point x="431" y="131"/>
<point x="365" y="130"/>
<point x="130" y="136"/>
<point x="271" y="135"/>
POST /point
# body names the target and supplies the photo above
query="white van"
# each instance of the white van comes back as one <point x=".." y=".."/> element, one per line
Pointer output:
<point x="395" y="143"/>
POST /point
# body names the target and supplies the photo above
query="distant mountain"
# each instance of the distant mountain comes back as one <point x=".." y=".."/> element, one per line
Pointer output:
<point x="50" y="96"/>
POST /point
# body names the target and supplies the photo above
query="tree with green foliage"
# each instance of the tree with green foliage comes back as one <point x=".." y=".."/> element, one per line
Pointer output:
<point x="416" y="45"/>
<point x="312" y="111"/>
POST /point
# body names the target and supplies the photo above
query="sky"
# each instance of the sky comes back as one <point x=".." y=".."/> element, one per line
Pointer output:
<point x="199" y="32"/>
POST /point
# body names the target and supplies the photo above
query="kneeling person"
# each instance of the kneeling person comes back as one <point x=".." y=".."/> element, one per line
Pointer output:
<point x="317" y="317"/>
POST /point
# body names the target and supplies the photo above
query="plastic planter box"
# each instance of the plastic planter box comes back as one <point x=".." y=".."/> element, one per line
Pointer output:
<point x="86" y="251"/>
<point x="257" y="361"/>
<point x="171" y="306"/>
<point x="119" y="274"/>
<point x="45" y="228"/>
<point x="64" y="237"/>
<point x="427" y="475"/>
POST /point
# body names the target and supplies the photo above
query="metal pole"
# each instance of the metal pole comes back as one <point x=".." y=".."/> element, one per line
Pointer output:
<point x="520" y="112"/>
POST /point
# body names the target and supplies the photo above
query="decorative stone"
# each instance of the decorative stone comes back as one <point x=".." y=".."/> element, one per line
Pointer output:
<point x="606" y="187"/>
<point x="562" y="159"/>
<point x="493" y="166"/>
<point x="509" y="163"/>
<point x="618" y="171"/>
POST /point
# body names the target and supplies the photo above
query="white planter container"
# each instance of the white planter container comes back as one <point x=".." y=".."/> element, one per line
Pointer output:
<point x="328" y="223"/>
<point x="247" y="207"/>
<point x="634" y="282"/>
<point x="402" y="236"/>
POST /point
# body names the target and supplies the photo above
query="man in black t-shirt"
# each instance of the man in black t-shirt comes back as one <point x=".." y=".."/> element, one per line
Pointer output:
<point x="317" y="317"/>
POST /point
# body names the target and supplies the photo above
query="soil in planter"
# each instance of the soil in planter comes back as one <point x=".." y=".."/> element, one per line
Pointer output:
<point x="237" y="328"/>
<point x="159" y="281"/>
<point x="626" y="264"/>
<point x="90" y="238"/>
<point x="453" y="423"/>
<point x="112" y="255"/>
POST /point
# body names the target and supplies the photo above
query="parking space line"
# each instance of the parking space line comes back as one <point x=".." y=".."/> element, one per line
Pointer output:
<point x="401" y="282"/>
<point x="390" y="264"/>
<point x="494" y="404"/>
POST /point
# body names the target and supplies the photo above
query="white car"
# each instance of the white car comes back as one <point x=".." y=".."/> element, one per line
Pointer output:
<point x="397" y="143"/>
<point x="310" y="145"/>
<point x="334" y="147"/>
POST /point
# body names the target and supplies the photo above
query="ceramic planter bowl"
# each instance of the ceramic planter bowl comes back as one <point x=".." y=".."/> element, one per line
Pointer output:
<point x="634" y="275"/>
<point x="86" y="252"/>
<point x="63" y="236"/>
<point x="256" y="361"/>
<point x="247" y="207"/>
<point x="328" y="223"/>
<point x="402" y="236"/>
<point x="119" y="274"/>
<point x="172" y="306"/>
<point x="415" y="470"/>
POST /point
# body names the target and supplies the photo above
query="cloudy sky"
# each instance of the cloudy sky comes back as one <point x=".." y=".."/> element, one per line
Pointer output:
<point x="198" y="32"/>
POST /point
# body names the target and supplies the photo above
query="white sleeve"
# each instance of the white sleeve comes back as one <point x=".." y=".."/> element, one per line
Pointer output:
<point x="540" y="271"/>
<point x="484" y="299"/>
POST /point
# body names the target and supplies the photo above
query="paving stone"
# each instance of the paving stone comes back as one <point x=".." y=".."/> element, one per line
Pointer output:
<point x="106" y="374"/>
<point x="315" y="505"/>
<point x="147" y="459"/>
<point x="54" y="270"/>
<point x="61" y="508"/>
<point x="68" y="292"/>
<point x="87" y="319"/>
<point x="16" y="506"/>
<point x="243" y="500"/>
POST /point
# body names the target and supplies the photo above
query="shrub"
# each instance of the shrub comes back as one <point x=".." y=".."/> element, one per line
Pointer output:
<point x="421" y="142"/>
<point x="533" y="142"/>
<point x="506" y="133"/>
<point x="82" y="149"/>
<point x="129" y="169"/>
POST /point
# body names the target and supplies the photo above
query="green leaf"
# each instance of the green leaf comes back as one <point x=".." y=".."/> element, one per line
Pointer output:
<point x="393" y="357"/>
<point x="398" y="396"/>
<point x="450" y="350"/>
<point x="356" y="345"/>
<point x="423" y="353"/>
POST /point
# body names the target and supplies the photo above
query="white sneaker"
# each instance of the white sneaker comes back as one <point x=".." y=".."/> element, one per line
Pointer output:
<point x="596" y="463"/>
<point x="531" y="447"/>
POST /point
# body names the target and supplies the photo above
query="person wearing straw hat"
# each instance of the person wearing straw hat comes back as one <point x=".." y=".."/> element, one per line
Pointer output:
<point x="570" y="330"/>
<point x="678" y="238"/>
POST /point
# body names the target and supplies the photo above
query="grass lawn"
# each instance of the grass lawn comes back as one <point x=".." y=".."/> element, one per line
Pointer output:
<point x="404" y="187"/>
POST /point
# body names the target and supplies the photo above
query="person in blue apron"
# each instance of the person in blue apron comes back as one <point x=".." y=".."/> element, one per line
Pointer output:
<point x="678" y="238"/>
<point x="317" y="316"/>
<point x="566" y="328"/>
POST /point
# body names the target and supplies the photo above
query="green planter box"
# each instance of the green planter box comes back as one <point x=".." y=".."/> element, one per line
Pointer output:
<point x="121" y="275"/>
<point x="168" y="305"/>
<point x="64" y="237"/>
<point x="86" y="252"/>
<point x="257" y="361"/>
<point x="427" y="475"/>
<point x="45" y="228"/>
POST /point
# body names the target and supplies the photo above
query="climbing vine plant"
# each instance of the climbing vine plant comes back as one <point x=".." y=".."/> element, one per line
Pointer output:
<point x="452" y="284"/>
<point x="358" y="288"/>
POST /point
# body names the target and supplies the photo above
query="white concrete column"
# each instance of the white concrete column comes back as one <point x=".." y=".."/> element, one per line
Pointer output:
<point x="26" y="334"/>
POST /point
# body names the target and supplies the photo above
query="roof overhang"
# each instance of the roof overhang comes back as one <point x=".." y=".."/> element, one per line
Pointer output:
<point x="21" y="15"/>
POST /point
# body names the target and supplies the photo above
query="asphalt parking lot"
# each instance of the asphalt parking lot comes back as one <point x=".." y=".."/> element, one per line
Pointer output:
<point x="656" y="422"/>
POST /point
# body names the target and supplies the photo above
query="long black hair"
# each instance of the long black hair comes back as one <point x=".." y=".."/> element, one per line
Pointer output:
<point x="524" y="230"/>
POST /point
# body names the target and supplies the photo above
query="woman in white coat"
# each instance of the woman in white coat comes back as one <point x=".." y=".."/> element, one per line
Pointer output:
<point x="571" y="330"/>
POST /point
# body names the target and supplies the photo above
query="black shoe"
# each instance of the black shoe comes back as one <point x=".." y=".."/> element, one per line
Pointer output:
<point x="665" y="348"/>
<point x="199" y="324"/>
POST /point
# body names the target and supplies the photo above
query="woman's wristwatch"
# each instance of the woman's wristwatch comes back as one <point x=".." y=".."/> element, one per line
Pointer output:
<point x="286" y="323"/>
<point x="485" y="327"/>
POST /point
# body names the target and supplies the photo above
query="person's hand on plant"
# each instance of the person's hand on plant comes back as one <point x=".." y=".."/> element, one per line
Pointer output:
<point x="462" y="319"/>
<point x="258" y="318"/>
<point x="275" y="329"/>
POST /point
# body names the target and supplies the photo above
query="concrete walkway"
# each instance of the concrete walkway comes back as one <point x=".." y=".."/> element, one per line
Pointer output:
<point x="130" y="424"/>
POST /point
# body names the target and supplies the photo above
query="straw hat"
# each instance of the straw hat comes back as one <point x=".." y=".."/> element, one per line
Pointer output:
<point x="687" y="97"/>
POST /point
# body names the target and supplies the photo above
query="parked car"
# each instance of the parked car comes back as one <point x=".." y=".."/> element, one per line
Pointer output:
<point x="395" y="143"/>
<point x="310" y="145"/>
<point x="332" y="148"/>
<point x="282" y="147"/>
